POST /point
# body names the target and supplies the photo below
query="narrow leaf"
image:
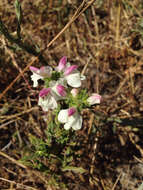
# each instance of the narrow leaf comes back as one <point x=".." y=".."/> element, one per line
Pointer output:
<point x="74" y="169"/>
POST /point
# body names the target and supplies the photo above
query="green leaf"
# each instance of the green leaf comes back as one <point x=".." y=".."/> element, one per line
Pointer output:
<point x="19" y="17"/>
<point x="74" y="169"/>
<point x="18" y="10"/>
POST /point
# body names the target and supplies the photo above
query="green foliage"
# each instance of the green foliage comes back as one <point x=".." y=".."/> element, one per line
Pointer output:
<point x="80" y="101"/>
<point x="139" y="27"/>
<point x="55" y="76"/>
<point x="56" y="133"/>
<point x="54" y="155"/>
<point x="58" y="149"/>
<point x="39" y="146"/>
<point x="47" y="80"/>
<point x="19" y="17"/>
<point x="18" y="11"/>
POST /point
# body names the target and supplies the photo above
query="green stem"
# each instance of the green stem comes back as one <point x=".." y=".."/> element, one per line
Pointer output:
<point x="25" y="46"/>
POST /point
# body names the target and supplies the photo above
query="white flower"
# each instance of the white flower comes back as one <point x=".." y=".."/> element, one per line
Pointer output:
<point x="58" y="89"/>
<point x="46" y="100"/>
<point x="94" y="99"/>
<point x="73" y="76"/>
<point x="71" y="118"/>
<point x="41" y="73"/>
<point x="48" y="97"/>
<point x="70" y="73"/>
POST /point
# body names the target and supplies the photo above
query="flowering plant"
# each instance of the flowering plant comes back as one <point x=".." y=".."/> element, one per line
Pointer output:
<point x="61" y="92"/>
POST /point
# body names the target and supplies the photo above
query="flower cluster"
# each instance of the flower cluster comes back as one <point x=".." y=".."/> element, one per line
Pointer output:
<point x="61" y="84"/>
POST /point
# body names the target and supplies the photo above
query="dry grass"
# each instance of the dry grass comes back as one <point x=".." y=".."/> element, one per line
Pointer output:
<point x="104" y="36"/>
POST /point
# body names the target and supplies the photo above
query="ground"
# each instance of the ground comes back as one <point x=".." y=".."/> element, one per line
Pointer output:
<point x="105" y="39"/>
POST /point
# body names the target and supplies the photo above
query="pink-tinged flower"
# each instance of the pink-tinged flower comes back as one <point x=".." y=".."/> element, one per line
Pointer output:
<point x="73" y="76"/>
<point x="47" y="100"/>
<point x="71" y="118"/>
<point x="94" y="99"/>
<point x="71" y="111"/>
<point x="69" y="73"/>
<point x="70" y="70"/>
<point x="74" y="92"/>
<point x="74" y="79"/>
<point x="62" y="64"/>
<point x="44" y="92"/>
<point x="61" y="90"/>
<point x="48" y="97"/>
<point x="41" y="73"/>
<point x="58" y="89"/>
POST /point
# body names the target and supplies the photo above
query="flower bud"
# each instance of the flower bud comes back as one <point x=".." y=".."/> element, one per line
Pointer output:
<point x="44" y="92"/>
<point x="74" y="92"/>
<point x="61" y="90"/>
<point x="34" y="69"/>
<point x="71" y="111"/>
<point x="94" y="99"/>
<point x="62" y="63"/>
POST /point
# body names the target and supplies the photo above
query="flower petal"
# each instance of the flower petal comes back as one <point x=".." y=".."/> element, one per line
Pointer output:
<point x="35" y="77"/>
<point x="57" y="92"/>
<point x="67" y="126"/>
<point x="74" y="121"/>
<point x="62" y="64"/>
<point x="63" y="116"/>
<point x="71" y="111"/>
<point x="47" y="103"/>
<point x="94" y="99"/>
<point x="69" y="123"/>
<point x="52" y="103"/>
<point x="61" y="90"/>
<point x="45" y="71"/>
<point x="70" y="69"/>
<point x="82" y="77"/>
<point x="44" y="92"/>
<point x="78" y="123"/>
<point x="74" y="80"/>
<point x="34" y="69"/>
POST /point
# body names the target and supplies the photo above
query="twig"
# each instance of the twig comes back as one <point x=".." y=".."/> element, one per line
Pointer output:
<point x="140" y="161"/>
<point x="12" y="159"/>
<point x="131" y="80"/>
<point x="20" y="74"/>
<point x="18" y="184"/>
<point x="118" y="23"/>
<point x="116" y="181"/>
<point x="15" y="63"/>
<point x="74" y="17"/>
<point x="85" y="66"/>
<point x="18" y="114"/>
<point x="136" y="9"/>
<point x="7" y="123"/>
<point x="7" y="146"/>
<point x="36" y="173"/>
